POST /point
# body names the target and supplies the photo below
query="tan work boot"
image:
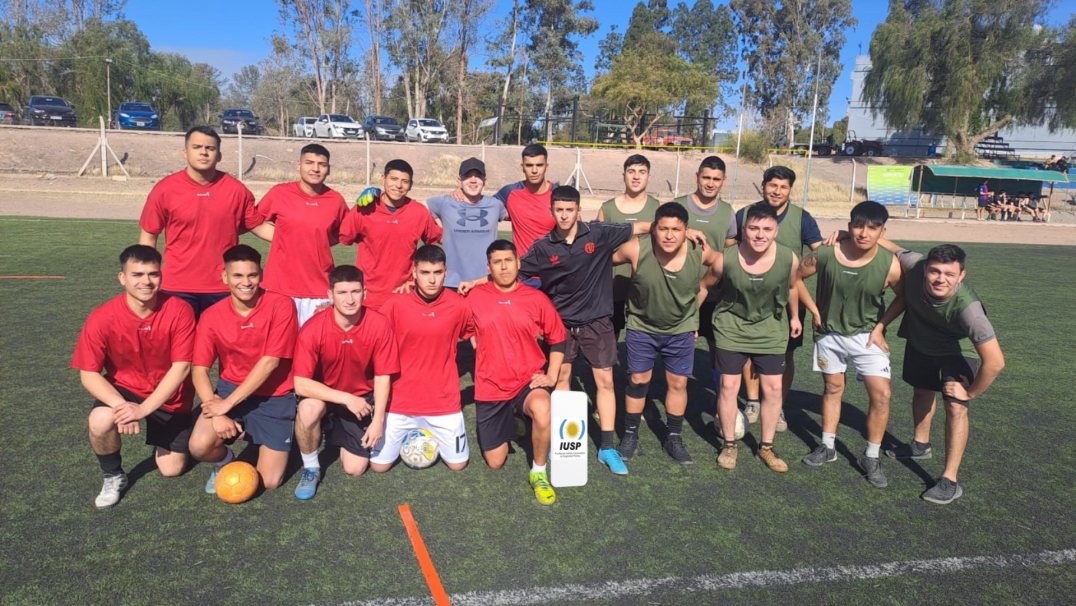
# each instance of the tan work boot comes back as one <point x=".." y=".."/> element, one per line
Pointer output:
<point x="771" y="459"/>
<point x="727" y="458"/>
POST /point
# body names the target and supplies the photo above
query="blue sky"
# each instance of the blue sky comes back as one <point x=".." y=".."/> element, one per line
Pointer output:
<point x="201" y="31"/>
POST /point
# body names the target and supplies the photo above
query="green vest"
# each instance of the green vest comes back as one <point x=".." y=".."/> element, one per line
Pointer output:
<point x="789" y="228"/>
<point x="752" y="314"/>
<point x="850" y="299"/>
<point x="664" y="302"/>
<point x="935" y="330"/>
<point x="612" y="214"/>
<point x="715" y="227"/>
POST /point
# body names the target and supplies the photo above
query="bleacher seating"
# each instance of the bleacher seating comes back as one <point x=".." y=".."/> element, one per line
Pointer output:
<point x="995" y="147"/>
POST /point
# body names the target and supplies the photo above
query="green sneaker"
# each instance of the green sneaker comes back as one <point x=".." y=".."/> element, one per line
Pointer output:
<point x="542" y="490"/>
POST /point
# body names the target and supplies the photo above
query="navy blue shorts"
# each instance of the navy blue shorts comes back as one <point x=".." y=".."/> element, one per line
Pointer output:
<point x="266" y="420"/>
<point x="677" y="351"/>
<point x="199" y="301"/>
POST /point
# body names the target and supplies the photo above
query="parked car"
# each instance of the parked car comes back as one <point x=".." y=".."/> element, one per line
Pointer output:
<point x="383" y="128"/>
<point x="667" y="137"/>
<point x="135" y="116"/>
<point x="337" y="126"/>
<point x="50" y="111"/>
<point x="303" y="127"/>
<point x="425" y="130"/>
<point x="8" y="114"/>
<point x="232" y="118"/>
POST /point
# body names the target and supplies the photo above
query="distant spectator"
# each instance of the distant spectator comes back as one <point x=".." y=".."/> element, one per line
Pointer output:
<point x="984" y="201"/>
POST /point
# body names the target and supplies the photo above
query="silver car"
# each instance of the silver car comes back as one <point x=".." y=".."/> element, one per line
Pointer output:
<point x="304" y="127"/>
<point x="425" y="130"/>
<point x="337" y="126"/>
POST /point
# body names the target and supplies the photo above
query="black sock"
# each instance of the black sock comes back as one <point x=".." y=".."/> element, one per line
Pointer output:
<point x="675" y="424"/>
<point x="111" y="464"/>
<point x="923" y="444"/>
<point x="632" y="421"/>
<point x="608" y="439"/>
<point x="768" y="445"/>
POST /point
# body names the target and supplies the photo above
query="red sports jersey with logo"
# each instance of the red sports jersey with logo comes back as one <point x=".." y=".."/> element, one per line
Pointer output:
<point x="386" y="242"/>
<point x="347" y="360"/>
<point x="199" y="222"/>
<point x="427" y="334"/>
<point x="507" y="327"/>
<point x="301" y="256"/>
<point x="531" y="217"/>
<point x="239" y="342"/>
<point x="136" y="353"/>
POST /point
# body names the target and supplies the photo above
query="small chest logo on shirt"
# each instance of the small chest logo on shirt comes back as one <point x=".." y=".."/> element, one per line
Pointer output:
<point x="246" y="326"/>
<point x="311" y="203"/>
<point x="392" y="221"/>
<point x="849" y="273"/>
<point x="554" y="260"/>
<point x="428" y="315"/>
<point x="756" y="278"/>
<point x="508" y="302"/>
<point x="669" y="276"/>
<point x="347" y="342"/>
<point x="205" y="195"/>
<point x="702" y="220"/>
<point x="472" y="214"/>
<point x="145" y="328"/>
<point x="589" y="248"/>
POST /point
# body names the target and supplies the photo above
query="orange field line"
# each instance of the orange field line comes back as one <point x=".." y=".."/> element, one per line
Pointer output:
<point x="32" y="278"/>
<point x="428" y="571"/>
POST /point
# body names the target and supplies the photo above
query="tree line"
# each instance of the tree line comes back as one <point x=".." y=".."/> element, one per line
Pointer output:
<point x="958" y="68"/>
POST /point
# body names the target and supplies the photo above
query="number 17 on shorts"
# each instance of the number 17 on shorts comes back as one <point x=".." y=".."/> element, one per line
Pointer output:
<point x="568" y="449"/>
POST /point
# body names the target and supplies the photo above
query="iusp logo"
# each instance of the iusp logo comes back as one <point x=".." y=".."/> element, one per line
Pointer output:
<point x="571" y="433"/>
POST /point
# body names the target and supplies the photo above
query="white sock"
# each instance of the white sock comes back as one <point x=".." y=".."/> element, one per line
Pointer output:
<point x="829" y="439"/>
<point x="536" y="467"/>
<point x="310" y="460"/>
<point x="872" y="450"/>
<point x="228" y="458"/>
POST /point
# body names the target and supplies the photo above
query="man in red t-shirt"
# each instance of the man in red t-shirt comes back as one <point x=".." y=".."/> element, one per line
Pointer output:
<point x="428" y="323"/>
<point x="201" y="212"/>
<point x="252" y="334"/>
<point x="307" y="216"/>
<point x="345" y="360"/>
<point x="143" y="340"/>
<point x="509" y="376"/>
<point x="387" y="231"/>
<point x="528" y="201"/>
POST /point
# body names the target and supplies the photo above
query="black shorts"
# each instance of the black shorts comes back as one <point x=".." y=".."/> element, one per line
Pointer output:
<point x="620" y="318"/>
<point x="199" y="301"/>
<point x="732" y="363"/>
<point x="164" y="429"/>
<point x="932" y="372"/>
<point x="496" y="420"/>
<point x="596" y="341"/>
<point x="797" y="342"/>
<point x="706" y="320"/>
<point x="266" y="420"/>
<point x="342" y="428"/>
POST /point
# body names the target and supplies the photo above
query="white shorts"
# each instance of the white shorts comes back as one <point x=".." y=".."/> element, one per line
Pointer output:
<point x="308" y="307"/>
<point x="833" y="352"/>
<point x="449" y="431"/>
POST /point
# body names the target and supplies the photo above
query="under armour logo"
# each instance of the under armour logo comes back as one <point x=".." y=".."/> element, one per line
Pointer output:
<point x="472" y="214"/>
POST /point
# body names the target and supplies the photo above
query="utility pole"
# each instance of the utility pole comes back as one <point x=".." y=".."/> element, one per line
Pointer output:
<point x="108" y="88"/>
<point x="810" y="144"/>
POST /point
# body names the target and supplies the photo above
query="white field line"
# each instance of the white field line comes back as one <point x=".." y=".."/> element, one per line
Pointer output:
<point x="715" y="582"/>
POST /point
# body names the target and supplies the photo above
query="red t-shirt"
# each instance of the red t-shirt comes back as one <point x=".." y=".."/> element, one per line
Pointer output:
<point x="239" y="342"/>
<point x="301" y="256"/>
<point x="427" y="335"/>
<point x="531" y="217"/>
<point x="199" y="222"/>
<point x="386" y="242"/>
<point x="136" y="353"/>
<point x="507" y="327"/>
<point x="347" y="360"/>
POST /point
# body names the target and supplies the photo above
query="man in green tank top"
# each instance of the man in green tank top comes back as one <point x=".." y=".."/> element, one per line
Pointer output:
<point x="711" y="215"/>
<point x="663" y="303"/>
<point x="757" y="313"/>
<point x="849" y="327"/>
<point x="951" y="349"/>
<point x="630" y="207"/>
<point x="798" y="229"/>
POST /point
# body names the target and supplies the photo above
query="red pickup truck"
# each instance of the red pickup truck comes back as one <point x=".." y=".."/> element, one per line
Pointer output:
<point x="666" y="137"/>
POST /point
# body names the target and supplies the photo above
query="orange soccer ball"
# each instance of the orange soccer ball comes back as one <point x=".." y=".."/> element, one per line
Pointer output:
<point x="236" y="482"/>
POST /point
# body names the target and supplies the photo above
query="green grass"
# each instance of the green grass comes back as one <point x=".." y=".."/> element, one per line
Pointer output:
<point x="167" y="542"/>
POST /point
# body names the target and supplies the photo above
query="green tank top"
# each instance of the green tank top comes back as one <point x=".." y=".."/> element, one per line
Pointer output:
<point x="664" y="302"/>
<point x="752" y="314"/>
<point x="851" y="299"/>
<point x="935" y="330"/>
<point x="790" y="228"/>
<point x="714" y="226"/>
<point x="612" y="214"/>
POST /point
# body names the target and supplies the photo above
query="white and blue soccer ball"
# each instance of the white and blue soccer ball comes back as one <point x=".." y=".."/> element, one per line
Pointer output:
<point x="419" y="449"/>
<point x="738" y="431"/>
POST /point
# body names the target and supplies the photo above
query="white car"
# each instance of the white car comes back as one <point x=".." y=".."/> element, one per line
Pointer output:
<point x="304" y="127"/>
<point x="337" y="126"/>
<point x="425" y="130"/>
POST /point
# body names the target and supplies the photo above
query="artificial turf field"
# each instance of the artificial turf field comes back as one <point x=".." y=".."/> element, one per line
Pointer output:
<point x="662" y="535"/>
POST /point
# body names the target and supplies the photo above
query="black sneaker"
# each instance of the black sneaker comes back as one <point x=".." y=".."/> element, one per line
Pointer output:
<point x="820" y="456"/>
<point x="675" y="447"/>
<point x="629" y="446"/>
<point x="944" y="492"/>
<point x="911" y="450"/>
<point x="872" y="467"/>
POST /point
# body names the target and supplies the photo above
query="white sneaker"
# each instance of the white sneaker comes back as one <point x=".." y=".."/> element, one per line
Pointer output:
<point x="111" y="491"/>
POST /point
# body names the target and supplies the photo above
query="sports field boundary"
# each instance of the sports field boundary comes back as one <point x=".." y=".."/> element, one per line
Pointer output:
<point x="737" y="580"/>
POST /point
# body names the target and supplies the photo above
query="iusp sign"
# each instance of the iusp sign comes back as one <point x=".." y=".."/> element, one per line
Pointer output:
<point x="568" y="439"/>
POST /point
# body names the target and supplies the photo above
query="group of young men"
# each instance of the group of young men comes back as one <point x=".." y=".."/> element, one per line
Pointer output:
<point x="363" y="354"/>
